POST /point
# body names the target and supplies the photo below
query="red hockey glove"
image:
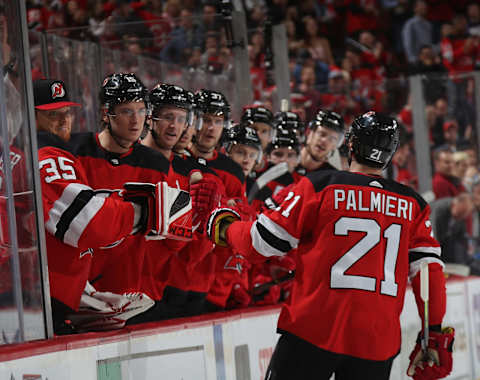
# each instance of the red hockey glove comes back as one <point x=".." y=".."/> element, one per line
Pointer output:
<point x="439" y="362"/>
<point x="239" y="297"/>
<point x="205" y="198"/>
<point x="217" y="224"/>
<point x="265" y="291"/>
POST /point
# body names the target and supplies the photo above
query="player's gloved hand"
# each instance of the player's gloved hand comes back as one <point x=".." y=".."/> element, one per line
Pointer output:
<point x="205" y="198"/>
<point x="239" y="297"/>
<point x="143" y="196"/>
<point x="217" y="224"/>
<point x="438" y="364"/>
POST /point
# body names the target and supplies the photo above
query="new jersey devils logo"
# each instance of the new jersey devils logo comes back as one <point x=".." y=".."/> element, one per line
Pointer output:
<point x="57" y="90"/>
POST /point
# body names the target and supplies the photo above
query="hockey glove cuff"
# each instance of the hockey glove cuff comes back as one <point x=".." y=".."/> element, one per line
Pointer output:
<point x="217" y="225"/>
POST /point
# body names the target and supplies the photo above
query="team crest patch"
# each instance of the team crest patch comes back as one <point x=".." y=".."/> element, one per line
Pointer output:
<point x="57" y="90"/>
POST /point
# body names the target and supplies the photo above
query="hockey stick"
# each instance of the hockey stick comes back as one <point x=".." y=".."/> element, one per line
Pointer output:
<point x="424" y="290"/>
<point x="260" y="289"/>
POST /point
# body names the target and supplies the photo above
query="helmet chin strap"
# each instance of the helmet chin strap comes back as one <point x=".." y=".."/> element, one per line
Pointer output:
<point x="202" y="150"/>
<point x="155" y="138"/>
<point x="309" y="151"/>
<point x="116" y="138"/>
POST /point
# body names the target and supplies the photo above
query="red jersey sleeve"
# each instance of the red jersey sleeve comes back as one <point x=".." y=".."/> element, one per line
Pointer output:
<point x="75" y="213"/>
<point x="424" y="248"/>
<point x="278" y="231"/>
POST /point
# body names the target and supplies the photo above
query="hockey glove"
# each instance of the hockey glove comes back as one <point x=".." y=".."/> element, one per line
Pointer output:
<point x="217" y="225"/>
<point x="165" y="212"/>
<point x="204" y="199"/>
<point x="142" y="195"/>
<point x="438" y="364"/>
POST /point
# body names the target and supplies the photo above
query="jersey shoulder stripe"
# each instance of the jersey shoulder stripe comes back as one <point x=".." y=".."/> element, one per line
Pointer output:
<point x="226" y="164"/>
<point x="323" y="178"/>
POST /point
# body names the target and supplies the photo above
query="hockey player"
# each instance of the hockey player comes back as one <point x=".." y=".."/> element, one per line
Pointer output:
<point x="112" y="158"/>
<point x="214" y="118"/>
<point x="75" y="213"/>
<point x="260" y="119"/>
<point x="282" y="155"/>
<point x="324" y="135"/>
<point x="360" y="237"/>
<point x="185" y="141"/>
<point x="243" y="146"/>
<point x="166" y="274"/>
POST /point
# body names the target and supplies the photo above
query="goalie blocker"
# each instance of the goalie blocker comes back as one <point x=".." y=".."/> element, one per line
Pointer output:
<point x="163" y="212"/>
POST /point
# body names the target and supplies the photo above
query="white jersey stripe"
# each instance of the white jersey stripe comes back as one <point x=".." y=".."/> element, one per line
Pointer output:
<point x="435" y="250"/>
<point x="81" y="220"/>
<point x="277" y="230"/>
<point x="63" y="203"/>
<point x="416" y="265"/>
<point x="261" y="246"/>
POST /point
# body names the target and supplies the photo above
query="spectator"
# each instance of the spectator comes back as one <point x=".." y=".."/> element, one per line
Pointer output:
<point x="318" y="46"/>
<point x="471" y="172"/>
<point x="440" y="108"/>
<point x="476" y="213"/>
<point x="450" y="134"/>
<point x="417" y="32"/>
<point x="362" y="15"/>
<point x="208" y="23"/>
<point x="448" y="216"/>
<point x="400" y="13"/>
<point x="459" y="51"/>
<point x="429" y="64"/>
<point x="182" y="40"/>
<point x="306" y="87"/>
<point x="473" y="17"/>
<point x="444" y="184"/>
<point x="124" y="20"/>
<point x="398" y="170"/>
<point x="460" y="165"/>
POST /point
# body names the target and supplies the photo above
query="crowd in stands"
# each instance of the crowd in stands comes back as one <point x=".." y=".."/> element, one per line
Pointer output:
<point x="345" y="57"/>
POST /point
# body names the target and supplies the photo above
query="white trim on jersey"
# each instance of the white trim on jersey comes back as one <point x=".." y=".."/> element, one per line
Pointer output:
<point x="81" y="220"/>
<point x="266" y="248"/>
<point x="416" y="265"/>
<point x="435" y="250"/>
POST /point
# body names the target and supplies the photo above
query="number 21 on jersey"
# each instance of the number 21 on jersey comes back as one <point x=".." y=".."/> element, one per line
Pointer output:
<point x="338" y="278"/>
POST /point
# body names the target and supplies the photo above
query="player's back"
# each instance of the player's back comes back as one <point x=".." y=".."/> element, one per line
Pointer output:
<point x="353" y="260"/>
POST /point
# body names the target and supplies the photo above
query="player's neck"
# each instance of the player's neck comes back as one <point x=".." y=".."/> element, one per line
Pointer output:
<point x="110" y="144"/>
<point x="198" y="151"/>
<point x="308" y="161"/>
<point x="360" y="168"/>
<point x="150" y="142"/>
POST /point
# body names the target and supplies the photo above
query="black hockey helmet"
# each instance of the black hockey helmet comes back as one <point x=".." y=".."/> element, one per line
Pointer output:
<point x="175" y="96"/>
<point x="122" y="88"/>
<point x="284" y="138"/>
<point x="288" y="120"/>
<point x="373" y="139"/>
<point x="257" y="114"/>
<point x="212" y="103"/>
<point x="242" y="134"/>
<point x="330" y="120"/>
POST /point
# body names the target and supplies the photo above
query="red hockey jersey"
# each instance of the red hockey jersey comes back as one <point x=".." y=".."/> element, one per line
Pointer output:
<point x="359" y="239"/>
<point x="117" y="268"/>
<point x="75" y="218"/>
